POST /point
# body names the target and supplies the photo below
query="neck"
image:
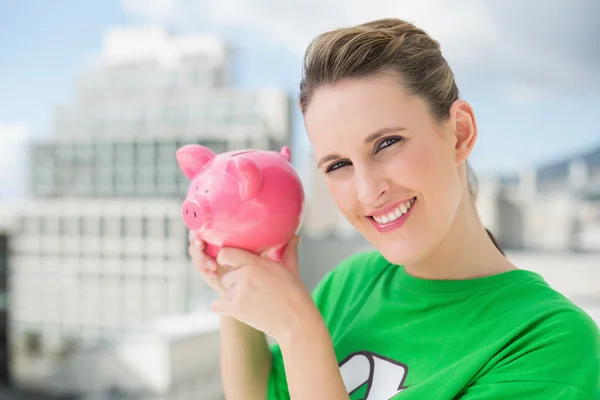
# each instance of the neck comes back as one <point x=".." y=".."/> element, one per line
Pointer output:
<point x="466" y="252"/>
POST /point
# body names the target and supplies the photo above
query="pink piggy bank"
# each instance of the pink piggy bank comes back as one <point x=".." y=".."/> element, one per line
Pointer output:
<point x="249" y="199"/>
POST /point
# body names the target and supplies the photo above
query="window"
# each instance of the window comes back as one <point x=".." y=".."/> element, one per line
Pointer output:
<point x="124" y="154"/>
<point x="104" y="154"/>
<point x="72" y="226"/>
<point x="133" y="226"/>
<point x="91" y="226"/>
<point x="32" y="225"/>
<point x="145" y="153"/>
<point x="111" y="227"/>
<point x="51" y="226"/>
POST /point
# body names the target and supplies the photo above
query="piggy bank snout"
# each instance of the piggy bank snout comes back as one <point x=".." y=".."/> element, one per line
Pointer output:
<point x="197" y="213"/>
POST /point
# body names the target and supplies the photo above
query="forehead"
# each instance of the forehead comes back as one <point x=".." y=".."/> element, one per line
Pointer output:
<point x="350" y="110"/>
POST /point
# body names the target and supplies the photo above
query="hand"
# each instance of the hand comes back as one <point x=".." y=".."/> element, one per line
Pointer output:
<point x="210" y="271"/>
<point x="263" y="294"/>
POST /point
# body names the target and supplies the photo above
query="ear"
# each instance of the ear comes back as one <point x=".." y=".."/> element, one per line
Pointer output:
<point x="247" y="174"/>
<point x="286" y="153"/>
<point x="464" y="126"/>
<point x="192" y="158"/>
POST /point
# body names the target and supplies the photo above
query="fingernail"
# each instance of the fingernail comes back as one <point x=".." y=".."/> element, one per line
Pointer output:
<point x="196" y="243"/>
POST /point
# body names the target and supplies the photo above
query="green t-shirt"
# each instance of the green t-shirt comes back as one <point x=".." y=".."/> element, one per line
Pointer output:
<point x="507" y="336"/>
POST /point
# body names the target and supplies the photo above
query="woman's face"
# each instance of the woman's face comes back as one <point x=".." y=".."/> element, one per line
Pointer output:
<point x="391" y="169"/>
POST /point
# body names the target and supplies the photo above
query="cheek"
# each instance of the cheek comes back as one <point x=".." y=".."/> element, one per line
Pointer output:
<point x="344" y="196"/>
<point x="440" y="183"/>
<point x="426" y="169"/>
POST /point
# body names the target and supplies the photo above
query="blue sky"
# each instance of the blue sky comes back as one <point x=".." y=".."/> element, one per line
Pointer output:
<point x="44" y="44"/>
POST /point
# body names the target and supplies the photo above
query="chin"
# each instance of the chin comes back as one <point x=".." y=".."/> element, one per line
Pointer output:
<point x="401" y="253"/>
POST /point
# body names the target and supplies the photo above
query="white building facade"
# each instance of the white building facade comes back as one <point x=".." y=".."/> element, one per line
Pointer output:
<point x="99" y="251"/>
<point x="550" y="208"/>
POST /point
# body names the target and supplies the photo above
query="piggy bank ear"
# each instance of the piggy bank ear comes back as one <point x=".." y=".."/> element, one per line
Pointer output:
<point x="285" y="153"/>
<point x="192" y="158"/>
<point x="247" y="174"/>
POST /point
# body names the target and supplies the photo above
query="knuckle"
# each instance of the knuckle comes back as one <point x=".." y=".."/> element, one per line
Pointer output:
<point x="245" y="273"/>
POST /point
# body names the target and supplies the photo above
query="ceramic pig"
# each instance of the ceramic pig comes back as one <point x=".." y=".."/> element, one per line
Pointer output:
<point x="249" y="199"/>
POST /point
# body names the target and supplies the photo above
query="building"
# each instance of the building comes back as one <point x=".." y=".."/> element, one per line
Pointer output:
<point x="554" y="207"/>
<point x="147" y="94"/>
<point x="98" y="253"/>
<point x="174" y="358"/>
<point x="323" y="219"/>
<point x="5" y="378"/>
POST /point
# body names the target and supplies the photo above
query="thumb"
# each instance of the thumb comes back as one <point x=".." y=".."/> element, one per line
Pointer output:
<point x="289" y="258"/>
<point x="222" y="306"/>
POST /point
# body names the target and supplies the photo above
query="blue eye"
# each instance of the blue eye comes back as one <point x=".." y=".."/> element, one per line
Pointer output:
<point x="387" y="142"/>
<point x="336" y="165"/>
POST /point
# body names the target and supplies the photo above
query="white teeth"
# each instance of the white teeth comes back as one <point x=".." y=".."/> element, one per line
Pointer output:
<point x="403" y="208"/>
<point x="396" y="213"/>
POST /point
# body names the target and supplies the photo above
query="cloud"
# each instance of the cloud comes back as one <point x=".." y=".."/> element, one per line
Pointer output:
<point x="537" y="47"/>
<point x="13" y="139"/>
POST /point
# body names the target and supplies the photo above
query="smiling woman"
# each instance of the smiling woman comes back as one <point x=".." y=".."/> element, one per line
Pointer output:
<point x="437" y="311"/>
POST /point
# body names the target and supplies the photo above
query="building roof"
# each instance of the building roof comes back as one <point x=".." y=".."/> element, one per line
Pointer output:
<point x="560" y="168"/>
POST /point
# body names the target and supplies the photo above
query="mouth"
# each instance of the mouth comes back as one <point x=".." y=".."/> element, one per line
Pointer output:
<point x="393" y="218"/>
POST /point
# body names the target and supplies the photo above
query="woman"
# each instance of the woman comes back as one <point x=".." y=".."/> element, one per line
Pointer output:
<point x="437" y="312"/>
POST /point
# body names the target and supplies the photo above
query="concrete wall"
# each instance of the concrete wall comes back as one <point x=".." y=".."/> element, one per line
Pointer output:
<point x="318" y="256"/>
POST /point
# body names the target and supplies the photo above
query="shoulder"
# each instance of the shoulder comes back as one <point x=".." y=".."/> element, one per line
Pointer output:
<point x="553" y="339"/>
<point x="547" y="309"/>
<point x="566" y="328"/>
<point x="547" y="313"/>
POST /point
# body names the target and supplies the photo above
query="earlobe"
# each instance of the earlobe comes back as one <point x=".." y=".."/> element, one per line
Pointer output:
<point x="465" y="129"/>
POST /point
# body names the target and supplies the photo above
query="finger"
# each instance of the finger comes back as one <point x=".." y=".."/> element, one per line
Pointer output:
<point x="230" y="278"/>
<point x="201" y="266"/>
<point x="200" y="258"/>
<point x="195" y="240"/>
<point x="223" y="307"/>
<point x="289" y="258"/>
<point x="208" y="274"/>
<point x="236" y="258"/>
<point x="212" y="280"/>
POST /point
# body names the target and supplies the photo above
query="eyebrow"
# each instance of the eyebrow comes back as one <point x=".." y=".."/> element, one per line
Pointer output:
<point x="372" y="137"/>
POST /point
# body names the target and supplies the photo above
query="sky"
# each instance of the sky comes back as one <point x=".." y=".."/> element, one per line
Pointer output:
<point x="531" y="71"/>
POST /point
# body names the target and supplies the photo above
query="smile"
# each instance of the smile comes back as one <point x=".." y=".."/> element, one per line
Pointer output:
<point x="393" y="218"/>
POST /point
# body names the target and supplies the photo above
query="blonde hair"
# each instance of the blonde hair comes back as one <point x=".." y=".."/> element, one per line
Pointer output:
<point x="384" y="46"/>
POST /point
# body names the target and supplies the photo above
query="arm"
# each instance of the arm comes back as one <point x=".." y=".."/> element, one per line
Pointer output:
<point x="245" y="361"/>
<point x="310" y="363"/>
<point x="265" y="297"/>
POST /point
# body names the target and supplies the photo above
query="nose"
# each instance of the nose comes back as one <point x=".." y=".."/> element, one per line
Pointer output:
<point x="197" y="213"/>
<point x="371" y="185"/>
